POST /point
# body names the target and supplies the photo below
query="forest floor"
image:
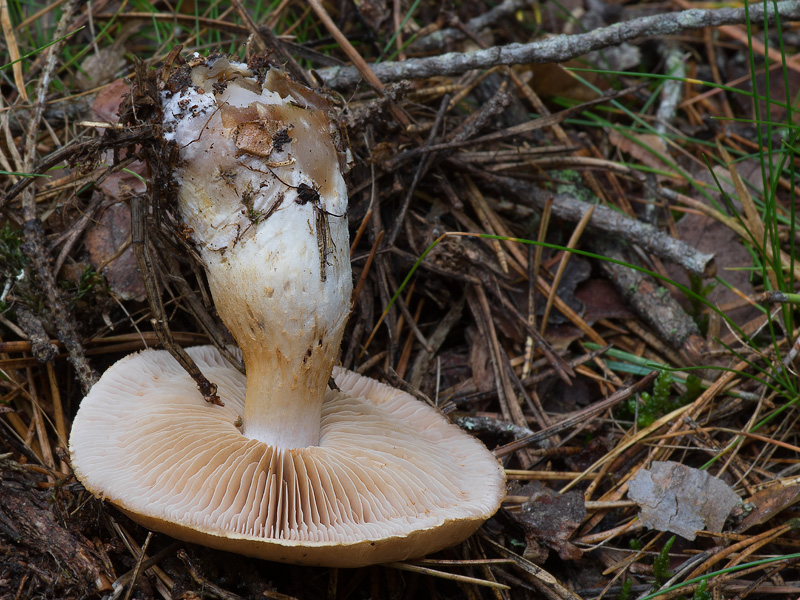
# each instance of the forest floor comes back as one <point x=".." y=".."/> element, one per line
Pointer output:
<point x="573" y="232"/>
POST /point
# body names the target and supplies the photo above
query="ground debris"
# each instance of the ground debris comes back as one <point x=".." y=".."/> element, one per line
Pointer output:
<point x="41" y="541"/>
<point x="549" y="520"/>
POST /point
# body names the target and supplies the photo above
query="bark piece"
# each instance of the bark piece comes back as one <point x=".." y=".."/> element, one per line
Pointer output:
<point x="681" y="499"/>
<point x="615" y="225"/>
<point x="652" y="303"/>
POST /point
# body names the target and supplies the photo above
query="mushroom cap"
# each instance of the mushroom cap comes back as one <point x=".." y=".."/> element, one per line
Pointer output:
<point x="390" y="479"/>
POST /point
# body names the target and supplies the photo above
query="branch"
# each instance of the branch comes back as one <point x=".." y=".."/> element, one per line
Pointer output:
<point x="616" y="225"/>
<point x="561" y="48"/>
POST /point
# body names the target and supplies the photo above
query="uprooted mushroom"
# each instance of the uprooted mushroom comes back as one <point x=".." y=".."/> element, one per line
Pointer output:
<point x="287" y="469"/>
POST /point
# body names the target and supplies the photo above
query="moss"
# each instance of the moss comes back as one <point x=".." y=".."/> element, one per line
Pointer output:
<point x="625" y="592"/>
<point x="700" y="593"/>
<point x="649" y="407"/>
<point x="661" y="571"/>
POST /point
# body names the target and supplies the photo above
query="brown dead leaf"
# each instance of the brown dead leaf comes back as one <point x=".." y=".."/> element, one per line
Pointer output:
<point x="374" y="12"/>
<point x="103" y="240"/>
<point x="601" y="300"/>
<point x="576" y="272"/>
<point x="732" y="258"/>
<point x="106" y="104"/>
<point x="105" y="108"/>
<point x="768" y="503"/>
<point x="98" y="68"/>
<point x="552" y="80"/>
<point x="550" y="519"/>
<point x="642" y="148"/>
<point x="681" y="499"/>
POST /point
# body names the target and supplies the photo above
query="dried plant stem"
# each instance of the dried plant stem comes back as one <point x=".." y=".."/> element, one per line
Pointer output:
<point x="560" y="48"/>
<point x="550" y="587"/>
<point x="579" y="417"/>
<point x="444" y="575"/>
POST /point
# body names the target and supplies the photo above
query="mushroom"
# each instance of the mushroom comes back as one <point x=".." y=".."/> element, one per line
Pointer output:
<point x="286" y="469"/>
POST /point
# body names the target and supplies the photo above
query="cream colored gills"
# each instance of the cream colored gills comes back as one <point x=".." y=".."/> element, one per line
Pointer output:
<point x="261" y="188"/>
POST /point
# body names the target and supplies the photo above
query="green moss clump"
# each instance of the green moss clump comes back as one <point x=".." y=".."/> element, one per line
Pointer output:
<point x="661" y="571"/>
<point x="649" y="407"/>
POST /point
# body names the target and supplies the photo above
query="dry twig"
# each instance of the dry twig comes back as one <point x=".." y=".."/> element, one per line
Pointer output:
<point x="560" y="48"/>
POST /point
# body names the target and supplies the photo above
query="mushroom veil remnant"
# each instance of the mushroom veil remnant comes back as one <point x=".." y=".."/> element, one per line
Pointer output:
<point x="287" y="469"/>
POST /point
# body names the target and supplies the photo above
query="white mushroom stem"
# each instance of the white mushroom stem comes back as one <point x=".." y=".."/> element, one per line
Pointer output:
<point x="262" y="193"/>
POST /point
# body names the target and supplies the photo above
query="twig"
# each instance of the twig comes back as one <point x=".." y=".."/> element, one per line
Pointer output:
<point x="436" y="340"/>
<point x="29" y="200"/>
<point x="672" y="92"/>
<point x="41" y="347"/>
<point x="559" y="365"/>
<point x="267" y="38"/>
<point x="560" y="48"/>
<point x="545" y="583"/>
<point x="138" y="568"/>
<point x="206" y="322"/>
<point x="124" y="580"/>
<point x="617" y="225"/>
<point x="422" y="167"/>
<point x="141" y="248"/>
<point x="61" y="318"/>
<point x="72" y="151"/>
<point x="410" y="320"/>
<point x="549" y="120"/>
<point x="444" y="575"/>
<point x="653" y="303"/>
<point x="71" y="236"/>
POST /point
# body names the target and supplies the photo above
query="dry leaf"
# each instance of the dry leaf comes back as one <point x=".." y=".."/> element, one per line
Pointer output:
<point x="768" y="503"/>
<point x="681" y="499"/>
<point x="550" y="519"/>
<point x="641" y="151"/>
<point x="709" y="235"/>
<point x="103" y="240"/>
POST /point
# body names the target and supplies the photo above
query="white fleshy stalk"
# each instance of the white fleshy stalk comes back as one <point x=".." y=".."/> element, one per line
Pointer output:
<point x="262" y="192"/>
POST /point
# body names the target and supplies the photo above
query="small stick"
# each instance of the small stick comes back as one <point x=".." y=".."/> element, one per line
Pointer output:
<point x="545" y="583"/>
<point x="450" y="35"/>
<point x="138" y="568"/>
<point x="557" y="49"/>
<point x="653" y="304"/>
<point x="268" y="39"/>
<point x="618" y="225"/>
